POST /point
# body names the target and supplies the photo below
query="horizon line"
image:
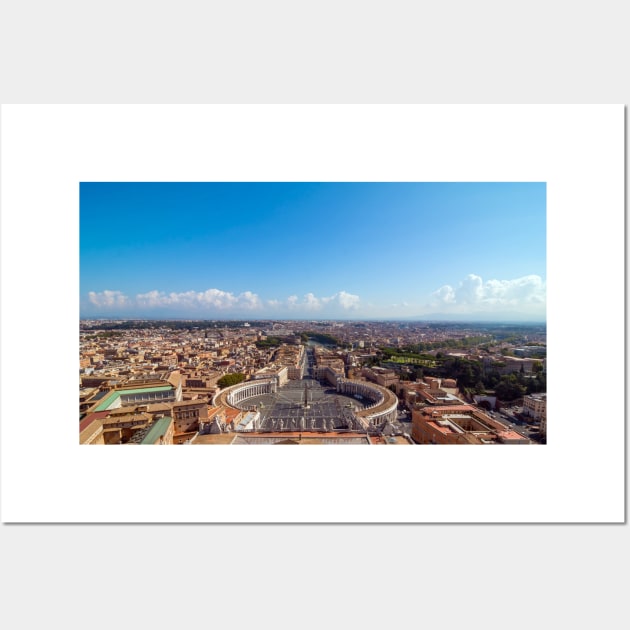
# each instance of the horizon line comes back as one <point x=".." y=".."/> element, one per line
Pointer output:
<point x="310" y="319"/>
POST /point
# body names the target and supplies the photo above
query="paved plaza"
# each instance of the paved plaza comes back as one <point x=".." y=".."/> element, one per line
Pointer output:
<point x="326" y="409"/>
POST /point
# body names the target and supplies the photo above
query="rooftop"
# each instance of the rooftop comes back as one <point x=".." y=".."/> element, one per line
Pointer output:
<point x="289" y="437"/>
<point x="111" y="398"/>
<point x="157" y="430"/>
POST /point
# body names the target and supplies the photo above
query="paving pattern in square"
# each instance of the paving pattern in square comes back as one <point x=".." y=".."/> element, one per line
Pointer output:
<point x="284" y="411"/>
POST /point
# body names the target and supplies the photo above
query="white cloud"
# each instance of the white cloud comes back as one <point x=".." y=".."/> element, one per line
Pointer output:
<point x="152" y="298"/>
<point x="473" y="293"/>
<point x="470" y="290"/>
<point x="218" y="300"/>
<point x="108" y="298"/>
<point x="211" y="298"/>
<point x="347" y="300"/>
<point x="525" y="289"/>
<point x="249" y="300"/>
<point x="215" y="298"/>
<point x="310" y="302"/>
<point x="445" y="294"/>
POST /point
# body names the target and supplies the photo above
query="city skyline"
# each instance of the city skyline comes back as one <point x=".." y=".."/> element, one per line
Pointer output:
<point x="474" y="251"/>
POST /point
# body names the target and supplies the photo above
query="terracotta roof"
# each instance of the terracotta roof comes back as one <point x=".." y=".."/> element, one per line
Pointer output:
<point x="442" y="429"/>
<point x="87" y="421"/>
<point x="448" y="409"/>
<point x="231" y="414"/>
<point x="511" y="435"/>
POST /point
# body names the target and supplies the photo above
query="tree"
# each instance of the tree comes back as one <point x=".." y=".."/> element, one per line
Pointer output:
<point x="231" y="379"/>
<point x="269" y="342"/>
<point x="509" y="389"/>
<point x="418" y="373"/>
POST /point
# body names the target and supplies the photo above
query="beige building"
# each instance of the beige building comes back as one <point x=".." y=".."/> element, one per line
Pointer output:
<point x="462" y="424"/>
<point x="535" y="405"/>
<point x="188" y="415"/>
<point x="281" y="374"/>
<point x="381" y="376"/>
<point x="426" y="393"/>
<point x="122" y="427"/>
<point x="291" y="357"/>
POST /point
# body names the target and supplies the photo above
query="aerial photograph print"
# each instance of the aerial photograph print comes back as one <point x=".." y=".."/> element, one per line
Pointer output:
<point x="323" y="313"/>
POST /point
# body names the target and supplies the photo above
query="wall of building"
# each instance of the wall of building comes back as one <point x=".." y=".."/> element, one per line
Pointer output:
<point x="535" y="406"/>
<point x="187" y="416"/>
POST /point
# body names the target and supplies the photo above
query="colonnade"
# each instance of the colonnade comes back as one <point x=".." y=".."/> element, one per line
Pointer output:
<point x="252" y="388"/>
<point x="376" y="398"/>
<point x="345" y="386"/>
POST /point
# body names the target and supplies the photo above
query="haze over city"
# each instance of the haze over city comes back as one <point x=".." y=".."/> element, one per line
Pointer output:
<point x="460" y="251"/>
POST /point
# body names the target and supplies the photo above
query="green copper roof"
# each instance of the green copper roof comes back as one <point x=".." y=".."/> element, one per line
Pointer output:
<point x="159" y="428"/>
<point x="124" y="392"/>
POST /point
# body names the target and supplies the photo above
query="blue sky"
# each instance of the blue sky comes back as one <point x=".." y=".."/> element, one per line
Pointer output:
<point x="313" y="250"/>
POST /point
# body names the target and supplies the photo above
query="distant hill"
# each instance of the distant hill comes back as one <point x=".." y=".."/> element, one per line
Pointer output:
<point x="486" y="318"/>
